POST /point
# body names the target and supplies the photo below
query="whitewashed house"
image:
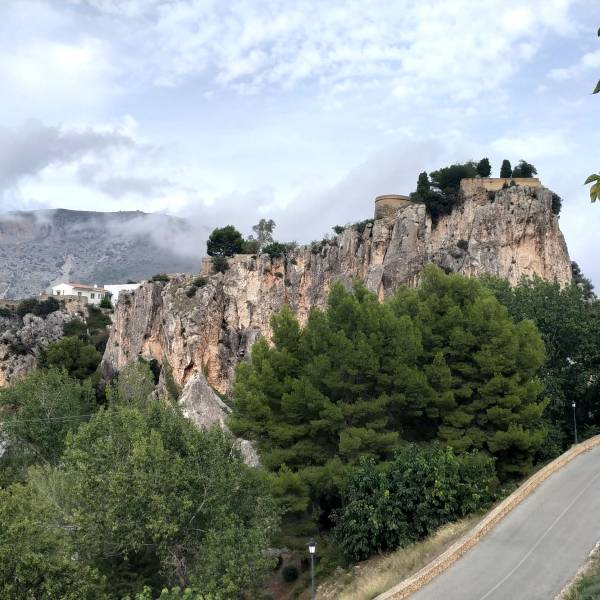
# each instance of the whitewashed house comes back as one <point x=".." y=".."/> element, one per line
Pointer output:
<point x="93" y="293"/>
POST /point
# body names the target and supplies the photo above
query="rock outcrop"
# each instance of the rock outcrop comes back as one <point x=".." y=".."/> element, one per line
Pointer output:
<point x="511" y="233"/>
<point x="22" y="340"/>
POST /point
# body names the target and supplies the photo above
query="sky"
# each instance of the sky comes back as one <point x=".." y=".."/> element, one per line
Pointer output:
<point x="226" y="111"/>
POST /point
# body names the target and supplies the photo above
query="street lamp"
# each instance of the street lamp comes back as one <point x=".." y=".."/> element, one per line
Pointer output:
<point x="574" y="421"/>
<point x="312" y="548"/>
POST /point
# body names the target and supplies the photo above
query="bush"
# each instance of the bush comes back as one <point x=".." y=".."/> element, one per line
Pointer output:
<point x="160" y="277"/>
<point x="290" y="573"/>
<point x="393" y="505"/>
<point x="556" y="203"/>
<point x="106" y="302"/>
<point x="200" y="282"/>
<point x="36" y="307"/>
<point x="463" y="244"/>
<point x="338" y="229"/>
<point x="524" y="169"/>
<point x="274" y="250"/>
<point x="76" y="328"/>
<point x="220" y="264"/>
<point x="6" y="312"/>
<point x="78" y="358"/>
<point x="362" y="225"/>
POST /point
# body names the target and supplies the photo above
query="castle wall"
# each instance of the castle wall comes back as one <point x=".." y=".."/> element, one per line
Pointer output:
<point x="493" y="184"/>
<point x="388" y="205"/>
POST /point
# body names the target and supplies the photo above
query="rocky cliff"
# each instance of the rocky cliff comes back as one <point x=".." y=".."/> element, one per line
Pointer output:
<point x="510" y="233"/>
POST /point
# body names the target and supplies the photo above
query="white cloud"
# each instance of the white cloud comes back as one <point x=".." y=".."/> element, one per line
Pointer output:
<point x="459" y="49"/>
<point x="588" y="62"/>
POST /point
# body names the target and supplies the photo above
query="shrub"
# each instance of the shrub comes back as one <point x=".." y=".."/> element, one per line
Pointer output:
<point x="190" y="292"/>
<point x="6" y="312"/>
<point x="463" y="244"/>
<point x="220" y="264"/>
<point x="249" y="247"/>
<point x="393" y="505"/>
<point x="338" y="229"/>
<point x="556" y="203"/>
<point x="160" y="277"/>
<point x="75" y="328"/>
<point x="200" y="282"/>
<point x="362" y="225"/>
<point x="106" y="302"/>
<point x="274" y="250"/>
<point x="36" y="307"/>
<point x="290" y="573"/>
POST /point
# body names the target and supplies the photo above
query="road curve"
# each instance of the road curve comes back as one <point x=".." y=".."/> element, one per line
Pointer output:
<point x="537" y="548"/>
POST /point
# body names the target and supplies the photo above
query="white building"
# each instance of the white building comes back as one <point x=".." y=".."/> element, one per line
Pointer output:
<point x="115" y="289"/>
<point x="93" y="293"/>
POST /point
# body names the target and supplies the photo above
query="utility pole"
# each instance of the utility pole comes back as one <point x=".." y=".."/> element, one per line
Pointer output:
<point x="312" y="548"/>
<point x="574" y="421"/>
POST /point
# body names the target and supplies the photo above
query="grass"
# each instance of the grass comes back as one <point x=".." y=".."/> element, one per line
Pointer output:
<point x="587" y="585"/>
<point x="378" y="574"/>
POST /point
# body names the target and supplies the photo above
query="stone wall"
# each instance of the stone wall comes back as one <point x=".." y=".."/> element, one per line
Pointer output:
<point x="493" y="184"/>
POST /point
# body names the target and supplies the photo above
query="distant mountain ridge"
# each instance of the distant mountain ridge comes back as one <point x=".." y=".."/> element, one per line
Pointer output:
<point x="43" y="247"/>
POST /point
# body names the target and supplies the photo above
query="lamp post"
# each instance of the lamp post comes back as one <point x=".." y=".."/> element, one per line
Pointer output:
<point x="574" y="421"/>
<point x="312" y="548"/>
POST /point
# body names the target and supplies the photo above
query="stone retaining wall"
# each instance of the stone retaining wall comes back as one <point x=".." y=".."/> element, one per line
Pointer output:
<point x="441" y="563"/>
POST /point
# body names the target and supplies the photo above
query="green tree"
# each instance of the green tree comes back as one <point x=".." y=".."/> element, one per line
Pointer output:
<point x="484" y="168"/>
<point x="582" y="282"/>
<point x="506" y="169"/>
<point x="134" y="385"/>
<point x="396" y="504"/>
<point x="325" y="395"/>
<point x="482" y="368"/>
<point x="71" y="353"/>
<point x="224" y="241"/>
<point x="39" y="410"/>
<point x="524" y="169"/>
<point x="264" y="232"/>
<point x="569" y="322"/>
<point x="37" y="558"/>
<point x="149" y="494"/>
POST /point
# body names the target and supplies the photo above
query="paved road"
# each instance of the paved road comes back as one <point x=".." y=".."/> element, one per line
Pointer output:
<point x="537" y="548"/>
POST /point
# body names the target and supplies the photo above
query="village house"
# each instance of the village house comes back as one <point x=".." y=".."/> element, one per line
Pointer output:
<point x="92" y="293"/>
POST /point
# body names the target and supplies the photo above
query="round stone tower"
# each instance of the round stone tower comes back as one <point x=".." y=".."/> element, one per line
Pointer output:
<point x="388" y="205"/>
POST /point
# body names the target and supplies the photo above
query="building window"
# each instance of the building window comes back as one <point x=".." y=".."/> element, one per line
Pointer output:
<point x="92" y="295"/>
<point x="79" y="293"/>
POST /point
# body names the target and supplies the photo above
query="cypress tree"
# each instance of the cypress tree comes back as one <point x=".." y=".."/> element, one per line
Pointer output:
<point x="505" y="169"/>
<point x="484" y="169"/>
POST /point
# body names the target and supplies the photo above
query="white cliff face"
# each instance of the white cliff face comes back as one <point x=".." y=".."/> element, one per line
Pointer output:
<point x="512" y="233"/>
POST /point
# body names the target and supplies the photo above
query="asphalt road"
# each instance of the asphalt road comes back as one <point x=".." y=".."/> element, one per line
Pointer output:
<point x="538" y="548"/>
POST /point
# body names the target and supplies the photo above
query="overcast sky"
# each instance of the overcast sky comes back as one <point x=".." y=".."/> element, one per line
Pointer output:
<point x="303" y="111"/>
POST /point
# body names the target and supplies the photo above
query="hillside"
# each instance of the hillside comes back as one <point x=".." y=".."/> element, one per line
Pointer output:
<point x="40" y="248"/>
<point x="511" y="233"/>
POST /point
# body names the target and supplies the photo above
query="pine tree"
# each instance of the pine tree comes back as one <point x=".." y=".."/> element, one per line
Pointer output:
<point x="505" y="169"/>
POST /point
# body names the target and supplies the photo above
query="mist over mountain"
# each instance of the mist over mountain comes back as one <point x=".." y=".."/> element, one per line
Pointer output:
<point x="43" y="247"/>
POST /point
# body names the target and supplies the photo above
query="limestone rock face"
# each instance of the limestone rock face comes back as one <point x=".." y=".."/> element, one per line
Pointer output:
<point x="204" y="408"/>
<point x="510" y="233"/>
<point x="21" y="342"/>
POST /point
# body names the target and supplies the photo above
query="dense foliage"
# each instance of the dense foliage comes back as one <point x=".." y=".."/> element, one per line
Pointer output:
<point x="506" y="169"/>
<point x="224" y="241"/>
<point x="139" y="497"/>
<point x="73" y="354"/>
<point x="484" y="169"/>
<point x="442" y="362"/>
<point x="39" y="308"/>
<point x="410" y="497"/>
<point x="569" y="322"/>
<point x="524" y="169"/>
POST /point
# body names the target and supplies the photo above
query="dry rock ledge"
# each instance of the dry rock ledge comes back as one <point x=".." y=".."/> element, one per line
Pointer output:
<point x="510" y="233"/>
<point x="449" y="557"/>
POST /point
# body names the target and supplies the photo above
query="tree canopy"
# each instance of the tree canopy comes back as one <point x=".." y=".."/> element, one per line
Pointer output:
<point x="506" y="169"/>
<point x="224" y="241"/>
<point x="524" y="169"/>
<point x="484" y="168"/>
<point x="444" y="361"/>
